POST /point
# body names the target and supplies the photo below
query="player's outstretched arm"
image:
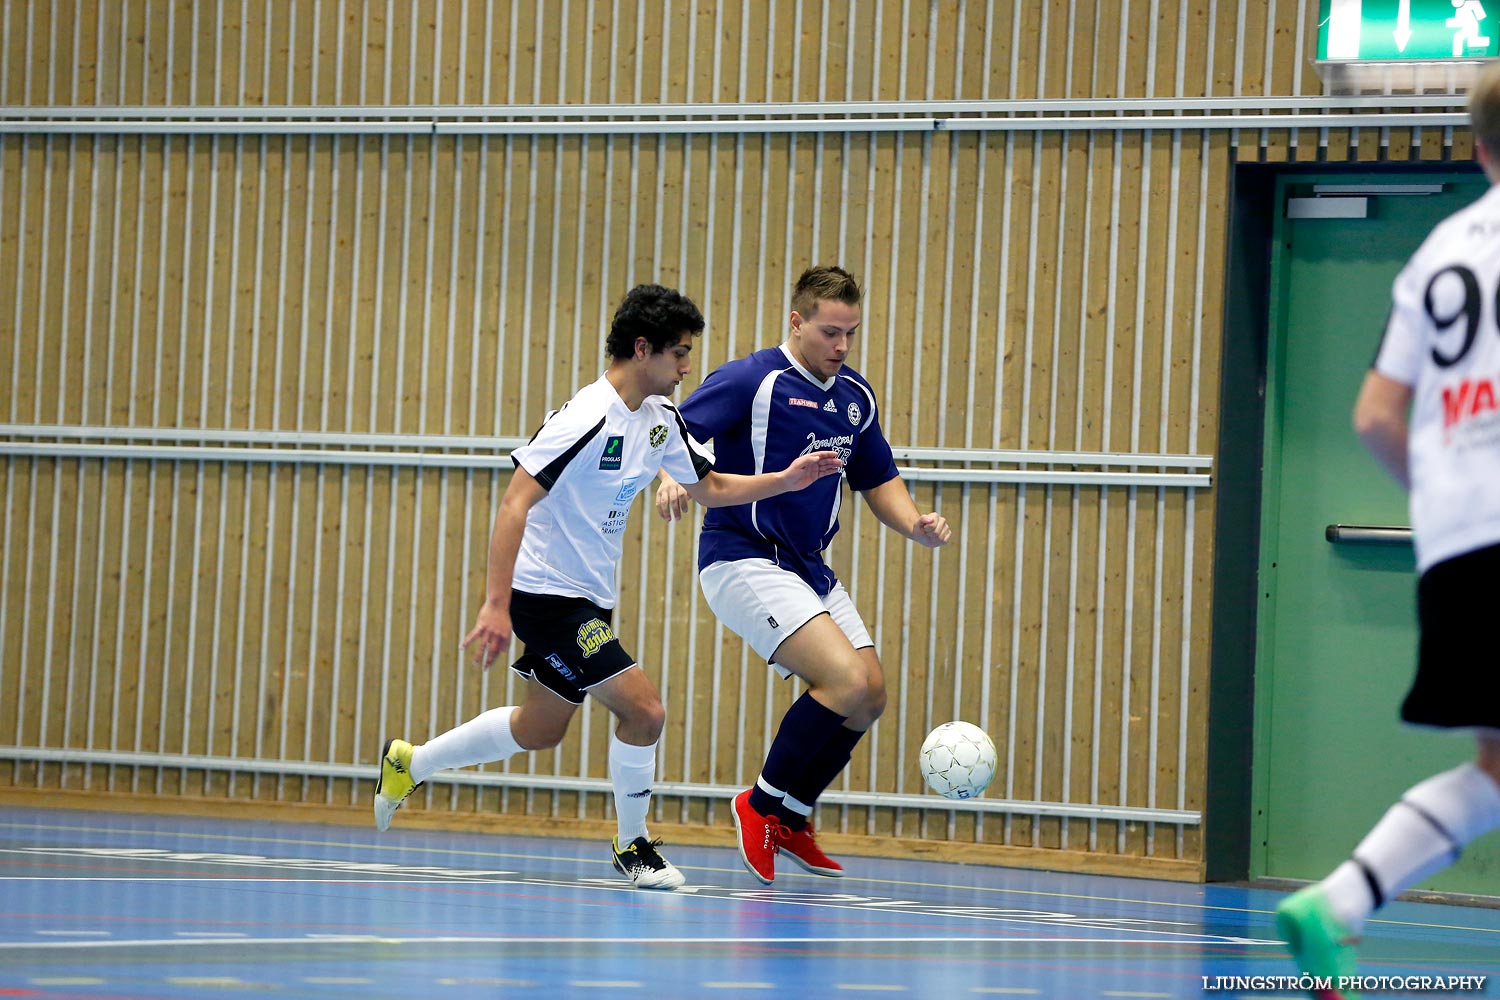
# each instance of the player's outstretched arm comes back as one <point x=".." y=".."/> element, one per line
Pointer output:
<point x="672" y="501"/>
<point x="722" y="489"/>
<point x="892" y="504"/>
<point x="1380" y="422"/>
<point x="490" y="635"/>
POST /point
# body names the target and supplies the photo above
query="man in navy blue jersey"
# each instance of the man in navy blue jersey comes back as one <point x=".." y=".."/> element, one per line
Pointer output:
<point x="761" y="564"/>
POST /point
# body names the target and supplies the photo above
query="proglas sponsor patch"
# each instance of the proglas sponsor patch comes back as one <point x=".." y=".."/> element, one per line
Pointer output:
<point x="614" y="452"/>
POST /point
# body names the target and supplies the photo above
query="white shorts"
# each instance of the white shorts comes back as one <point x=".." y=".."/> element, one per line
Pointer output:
<point x="764" y="604"/>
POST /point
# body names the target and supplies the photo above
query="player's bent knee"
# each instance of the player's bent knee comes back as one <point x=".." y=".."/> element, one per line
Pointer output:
<point x="539" y="737"/>
<point x="855" y="697"/>
<point x="645" y="720"/>
<point x="872" y="694"/>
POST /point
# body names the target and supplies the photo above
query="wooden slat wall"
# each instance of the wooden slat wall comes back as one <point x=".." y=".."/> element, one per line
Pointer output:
<point x="1056" y="290"/>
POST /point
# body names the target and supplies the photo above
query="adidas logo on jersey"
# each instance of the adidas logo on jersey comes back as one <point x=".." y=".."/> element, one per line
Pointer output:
<point x="828" y="407"/>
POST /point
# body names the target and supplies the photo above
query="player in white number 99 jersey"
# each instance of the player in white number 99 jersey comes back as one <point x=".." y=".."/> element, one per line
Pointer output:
<point x="1439" y="361"/>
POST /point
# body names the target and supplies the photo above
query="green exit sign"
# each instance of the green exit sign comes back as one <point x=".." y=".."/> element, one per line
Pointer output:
<point x="1386" y="30"/>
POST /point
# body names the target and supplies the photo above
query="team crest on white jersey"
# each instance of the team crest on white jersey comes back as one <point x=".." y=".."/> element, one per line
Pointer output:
<point x="854" y="413"/>
<point x="828" y="407"/>
<point x="658" y="435"/>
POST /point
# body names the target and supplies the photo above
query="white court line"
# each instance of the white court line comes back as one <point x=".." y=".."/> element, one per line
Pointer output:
<point x="837" y="901"/>
<point x="76" y="933"/>
<point x="871" y="987"/>
<point x="211" y="934"/>
<point x="158" y="855"/>
<point x="1008" y="990"/>
<point x="607" y="984"/>
<point x="737" y="986"/>
<point x="367" y="939"/>
<point x="848" y="879"/>
<point x="227" y="880"/>
<point x="780" y="897"/>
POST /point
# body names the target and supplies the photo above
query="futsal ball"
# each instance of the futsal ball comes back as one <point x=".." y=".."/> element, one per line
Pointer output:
<point x="958" y="760"/>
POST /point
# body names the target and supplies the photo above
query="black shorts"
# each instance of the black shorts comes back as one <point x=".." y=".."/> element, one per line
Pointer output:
<point x="570" y="645"/>
<point x="1458" y="667"/>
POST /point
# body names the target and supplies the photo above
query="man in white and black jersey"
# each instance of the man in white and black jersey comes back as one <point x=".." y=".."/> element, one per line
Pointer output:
<point x="1439" y="360"/>
<point x="553" y="553"/>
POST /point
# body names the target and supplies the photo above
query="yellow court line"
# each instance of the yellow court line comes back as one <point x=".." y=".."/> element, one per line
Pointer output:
<point x="731" y="870"/>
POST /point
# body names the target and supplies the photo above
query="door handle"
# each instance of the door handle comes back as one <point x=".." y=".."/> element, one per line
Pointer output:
<point x="1368" y="534"/>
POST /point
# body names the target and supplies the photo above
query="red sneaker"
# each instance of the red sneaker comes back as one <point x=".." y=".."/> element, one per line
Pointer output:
<point x="759" y="836"/>
<point x="802" y="847"/>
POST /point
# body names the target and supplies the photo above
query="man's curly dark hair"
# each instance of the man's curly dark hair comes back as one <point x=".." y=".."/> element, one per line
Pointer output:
<point x="661" y="315"/>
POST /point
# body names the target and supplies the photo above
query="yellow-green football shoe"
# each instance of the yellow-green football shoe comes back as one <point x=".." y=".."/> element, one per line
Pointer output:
<point x="1320" y="942"/>
<point x="394" y="783"/>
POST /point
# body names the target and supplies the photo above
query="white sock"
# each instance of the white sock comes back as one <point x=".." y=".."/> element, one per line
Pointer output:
<point x="633" y="770"/>
<point x="800" y="808"/>
<point x="1417" y="838"/>
<point x="481" y="740"/>
<point x="1349" y="894"/>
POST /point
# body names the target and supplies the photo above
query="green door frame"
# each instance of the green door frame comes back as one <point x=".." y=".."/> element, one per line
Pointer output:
<point x="1254" y="303"/>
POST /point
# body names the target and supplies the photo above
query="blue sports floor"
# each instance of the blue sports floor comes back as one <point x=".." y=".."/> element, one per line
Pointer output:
<point x="124" y="906"/>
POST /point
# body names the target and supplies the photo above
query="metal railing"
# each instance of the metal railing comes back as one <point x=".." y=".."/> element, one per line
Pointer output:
<point x="1381" y="111"/>
<point x="566" y="783"/>
<point x="455" y="452"/>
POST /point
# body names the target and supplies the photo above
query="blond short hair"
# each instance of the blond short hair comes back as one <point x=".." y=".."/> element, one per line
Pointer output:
<point x="1484" y="107"/>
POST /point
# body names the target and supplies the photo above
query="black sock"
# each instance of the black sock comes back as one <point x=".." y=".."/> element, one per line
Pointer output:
<point x="818" y="775"/>
<point x="805" y="730"/>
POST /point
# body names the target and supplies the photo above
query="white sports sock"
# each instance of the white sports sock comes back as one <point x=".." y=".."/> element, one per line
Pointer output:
<point x="633" y="771"/>
<point x="481" y="740"/>
<point x="1417" y="838"/>
<point x="800" y="808"/>
<point x="1350" y="895"/>
<point x="768" y="788"/>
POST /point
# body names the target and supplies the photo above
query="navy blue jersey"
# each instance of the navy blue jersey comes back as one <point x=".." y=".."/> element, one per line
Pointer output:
<point x="763" y="412"/>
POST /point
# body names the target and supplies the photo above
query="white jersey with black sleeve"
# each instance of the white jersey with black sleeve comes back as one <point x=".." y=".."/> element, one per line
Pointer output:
<point x="592" y="457"/>
<point x="1443" y="341"/>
